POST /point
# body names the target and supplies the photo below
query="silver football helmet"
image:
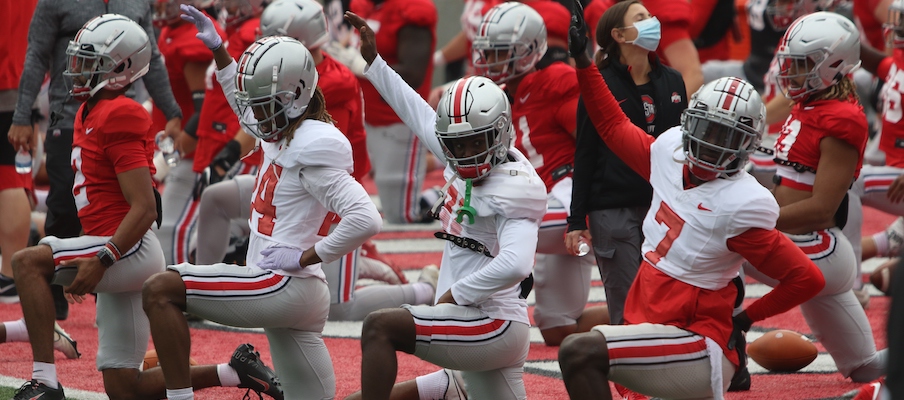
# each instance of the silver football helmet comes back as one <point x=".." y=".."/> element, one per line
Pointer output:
<point x="110" y="51"/>
<point x="301" y="19"/>
<point x="510" y="40"/>
<point x="894" y="27"/>
<point x="238" y="11"/>
<point x="276" y="79"/>
<point x="781" y="13"/>
<point x="816" y="52"/>
<point x="474" y="126"/>
<point x="723" y="124"/>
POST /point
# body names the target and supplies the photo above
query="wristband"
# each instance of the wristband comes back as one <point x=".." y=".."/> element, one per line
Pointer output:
<point x="116" y="253"/>
<point x="107" y="259"/>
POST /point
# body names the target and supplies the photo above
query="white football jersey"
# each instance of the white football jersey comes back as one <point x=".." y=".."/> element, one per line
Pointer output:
<point x="512" y="198"/>
<point x="509" y="205"/>
<point x="686" y="230"/>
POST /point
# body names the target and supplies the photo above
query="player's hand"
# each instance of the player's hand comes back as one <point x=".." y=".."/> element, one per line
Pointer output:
<point x="90" y="272"/>
<point x="173" y="128"/>
<point x="283" y="258"/>
<point x="201" y="183"/>
<point x="574" y="238"/>
<point x="368" y="42"/>
<point x="740" y="325"/>
<point x="207" y="33"/>
<point x="577" y="36"/>
<point x="896" y="190"/>
<point x="446" y="298"/>
<point x="21" y="136"/>
<point x="224" y="160"/>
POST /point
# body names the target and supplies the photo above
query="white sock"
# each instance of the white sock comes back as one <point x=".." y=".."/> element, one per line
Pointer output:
<point x="16" y="331"/>
<point x="228" y="376"/>
<point x="423" y="293"/>
<point x="432" y="385"/>
<point x="180" y="394"/>
<point x="45" y="373"/>
<point x="881" y="240"/>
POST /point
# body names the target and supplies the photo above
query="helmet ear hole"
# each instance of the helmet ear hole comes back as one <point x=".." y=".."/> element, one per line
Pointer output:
<point x="298" y="91"/>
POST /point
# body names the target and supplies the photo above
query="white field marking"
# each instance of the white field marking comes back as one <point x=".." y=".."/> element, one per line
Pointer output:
<point x="71" y="394"/>
<point x="821" y="365"/>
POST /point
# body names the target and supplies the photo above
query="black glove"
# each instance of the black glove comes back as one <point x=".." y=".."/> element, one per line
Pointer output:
<point x="201" y="183"/>
<point x="741" y="324"/>
<point x="577" y="33"/>
<point x="224" y="160"/>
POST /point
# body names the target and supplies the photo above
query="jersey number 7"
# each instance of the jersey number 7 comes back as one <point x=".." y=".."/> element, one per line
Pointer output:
<point x="666" y="216"/>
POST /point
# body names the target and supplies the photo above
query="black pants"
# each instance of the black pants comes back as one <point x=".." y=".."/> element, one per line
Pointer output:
<point x="895" y="377"/>
<point x="62" y="216"/>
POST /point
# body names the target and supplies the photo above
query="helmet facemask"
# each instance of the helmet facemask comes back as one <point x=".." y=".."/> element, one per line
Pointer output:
<point x="781" y="13"/>
<point x="166" y="12"/>
<point x="717" y="145"/>
<point x="472" y="153"/>
<point x="503" y="62"/>
<point x="798" y="76"/>
<point x="87" y="69"/>
<point x="271" y="113"/>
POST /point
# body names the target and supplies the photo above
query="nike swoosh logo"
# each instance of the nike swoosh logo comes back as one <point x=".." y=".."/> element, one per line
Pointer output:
<point x="622" y="101"/>
<point x="87" y="131"/>
<point x="523" y="99"/>
<point x="262" y="383"/>
<point x="700" y="207"/>
<point x="38" y="396"/>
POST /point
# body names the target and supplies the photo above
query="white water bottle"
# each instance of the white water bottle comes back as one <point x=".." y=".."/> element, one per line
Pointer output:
<point x="23" y="161"/>
<point x="583" y="249"/>
<point x="168" y="148"/>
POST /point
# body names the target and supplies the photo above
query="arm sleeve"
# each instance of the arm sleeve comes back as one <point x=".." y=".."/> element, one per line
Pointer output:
<point x="226" y="78"/>
<point x="627" y="141"/>
<point x="884" y="66"/>
<point x="340" y="193"/>
<point x="585" y="155"/>
<point x="41" y="35"/>
<point x="157" y="79"/>
<point x="775" y="255"/>
<point x="517" y="247"/>
<point x="565" y="115"/>
<point x="408" y="104"/>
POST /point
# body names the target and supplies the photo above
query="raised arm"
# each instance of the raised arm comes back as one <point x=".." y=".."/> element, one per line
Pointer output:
<point x="629" y="142"/>
<point x="405" y="101"/>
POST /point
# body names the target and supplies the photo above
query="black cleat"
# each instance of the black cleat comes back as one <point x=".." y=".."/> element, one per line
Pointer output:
<point x="740" y="382"/>
<point x="33" y="390"/>
<point x="253" y="374"/>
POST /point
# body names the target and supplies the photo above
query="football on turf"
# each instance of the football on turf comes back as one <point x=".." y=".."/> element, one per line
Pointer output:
<point x="150" y="360"/>
<point x="782" y="351"/>
<point x="881" y="277"/>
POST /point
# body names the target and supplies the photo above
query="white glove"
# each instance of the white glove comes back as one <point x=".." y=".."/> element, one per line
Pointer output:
<point x="284" y="258"/>
<point x="348" y="56"/>
<point x="207" y="33"/>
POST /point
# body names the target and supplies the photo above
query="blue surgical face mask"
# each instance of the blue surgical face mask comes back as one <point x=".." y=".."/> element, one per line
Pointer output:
<point x="648" y="34"/>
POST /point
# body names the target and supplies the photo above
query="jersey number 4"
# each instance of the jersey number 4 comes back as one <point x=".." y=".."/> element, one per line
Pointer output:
<point x="263" y="199"/>
<point x="666" y="216"/>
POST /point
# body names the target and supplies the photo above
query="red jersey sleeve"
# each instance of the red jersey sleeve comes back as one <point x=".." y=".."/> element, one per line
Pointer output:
<point x="884" y="66"/>
<point x="419" y="13"/>
<point x="775" y="255"/>
<point x="629" y="142"/>
<point x="124" y="136"/>
<point x="848" y="124"/>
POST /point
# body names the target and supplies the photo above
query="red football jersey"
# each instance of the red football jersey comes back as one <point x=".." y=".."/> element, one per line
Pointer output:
<point x="675" y="17"/>
<point x="543" y="115"/>
<point x="386" y="19"/>
<point x="217" y="123"/>
<point x="864" y="11"/>
<point x="892" y="139"/>
<point x="344" y="103"/>
<point x="809" y="123"/>
<point x="115" y="137"/>
<point x="179" y="46"/>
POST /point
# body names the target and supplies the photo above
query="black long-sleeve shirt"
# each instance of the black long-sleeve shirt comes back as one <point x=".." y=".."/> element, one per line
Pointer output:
<point x="601" y="179"/>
